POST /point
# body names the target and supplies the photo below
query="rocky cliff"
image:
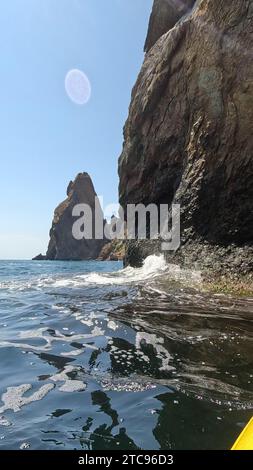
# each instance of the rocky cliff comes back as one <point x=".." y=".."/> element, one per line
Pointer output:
<point x="188" y="138"/>
<point x="165" y="14"/>
<point x="62" y="244"/>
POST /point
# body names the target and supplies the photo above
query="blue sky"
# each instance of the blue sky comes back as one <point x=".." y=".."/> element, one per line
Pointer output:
<point x="46" y="139"/>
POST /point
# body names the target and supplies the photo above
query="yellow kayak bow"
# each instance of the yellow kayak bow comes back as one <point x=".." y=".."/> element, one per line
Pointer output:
<point x="245" y="440"/>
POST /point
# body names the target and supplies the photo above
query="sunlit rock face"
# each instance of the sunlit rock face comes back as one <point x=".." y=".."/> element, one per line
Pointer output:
<point x="188" y="138"/>
<point x="165" y="14"/>
<point x="62" y="245"/>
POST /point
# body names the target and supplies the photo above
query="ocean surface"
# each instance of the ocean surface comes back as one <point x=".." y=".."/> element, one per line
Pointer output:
<point x="94" y="356"/>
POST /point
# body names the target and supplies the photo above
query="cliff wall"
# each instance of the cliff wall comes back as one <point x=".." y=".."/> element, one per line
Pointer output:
<point x="188" y="138"/>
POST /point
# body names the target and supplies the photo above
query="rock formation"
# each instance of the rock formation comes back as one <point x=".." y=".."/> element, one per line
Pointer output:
<point x="39" y="257"/>
<point x="165" y="14"/>
<point x="188" y="138"/>
<point x="62" y="244"/>
<point x="113" y="251"/>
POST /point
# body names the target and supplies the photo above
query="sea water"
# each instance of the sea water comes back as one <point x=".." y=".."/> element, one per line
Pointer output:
<point x="94" y="356"/>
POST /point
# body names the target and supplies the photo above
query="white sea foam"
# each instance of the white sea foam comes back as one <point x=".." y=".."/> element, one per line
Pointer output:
<point x="112" y="325"/>
<point x="72" y="386"/>
<point x="38" y="333"/>
<point x="73" y="353"/>
<point x="126" y="385"/>
<point x="14" y="399"/>
<point x="4" y="422"/>
<point x="69" y="385"/>
<point x="25" y="446"/>
<point x="41" y="333"/>
<point x="97" y="331"/>
<point x="153" y="266"/>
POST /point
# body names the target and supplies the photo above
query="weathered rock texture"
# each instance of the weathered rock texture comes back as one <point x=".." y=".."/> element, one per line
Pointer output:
<point x="188" y="137"/>
<point x="164" y="16"/>
<point x="113" y="251"/>
<point x="62" y="245"/>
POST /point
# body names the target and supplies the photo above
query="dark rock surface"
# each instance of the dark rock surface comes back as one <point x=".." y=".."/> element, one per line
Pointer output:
<point x="39" y="257"/>
<point x="188" y="138"/>
<point x="137" y="250"/>
<point x="62" y="244"/>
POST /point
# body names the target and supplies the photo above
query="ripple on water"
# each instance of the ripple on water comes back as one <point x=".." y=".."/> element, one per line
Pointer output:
<point x="97" y="346"/>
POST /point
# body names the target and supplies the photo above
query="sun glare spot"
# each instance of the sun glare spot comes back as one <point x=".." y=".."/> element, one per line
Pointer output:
<point x="77" y="86"/>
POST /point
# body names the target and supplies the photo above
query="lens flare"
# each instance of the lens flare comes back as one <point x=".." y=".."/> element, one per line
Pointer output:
<point x="78" y="87"/>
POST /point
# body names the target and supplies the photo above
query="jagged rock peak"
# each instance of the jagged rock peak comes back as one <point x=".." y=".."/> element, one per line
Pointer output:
<point x="82" y="183"/>
<point x="62" y="244"/>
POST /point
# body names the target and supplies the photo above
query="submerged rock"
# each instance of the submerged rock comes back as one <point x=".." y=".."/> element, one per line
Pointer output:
<point x="62" y="244"/>
<point x="188" y="138"/>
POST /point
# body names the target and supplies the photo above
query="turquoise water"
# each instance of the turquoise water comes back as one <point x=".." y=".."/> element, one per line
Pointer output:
<point x="96" y="357"/>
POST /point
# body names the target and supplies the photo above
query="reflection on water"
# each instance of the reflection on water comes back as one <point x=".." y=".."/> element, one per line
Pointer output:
<point x="132" y="359"/>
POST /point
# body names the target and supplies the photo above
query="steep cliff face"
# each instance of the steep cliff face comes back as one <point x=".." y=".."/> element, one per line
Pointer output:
<point x="62" y="244"/>
<point x="188" y="137"/>
<point x="165" y="14"/>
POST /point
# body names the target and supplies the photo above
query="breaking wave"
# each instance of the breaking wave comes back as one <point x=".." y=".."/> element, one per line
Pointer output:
<point x="153" y="268"/>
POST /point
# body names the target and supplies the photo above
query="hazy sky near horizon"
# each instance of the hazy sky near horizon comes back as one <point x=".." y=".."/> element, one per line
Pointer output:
<point x="46" y="139"/>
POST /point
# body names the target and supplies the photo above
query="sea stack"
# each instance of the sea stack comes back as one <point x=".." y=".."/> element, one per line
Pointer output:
<point x="62" y="244"/>
<point x="188" y="138"/>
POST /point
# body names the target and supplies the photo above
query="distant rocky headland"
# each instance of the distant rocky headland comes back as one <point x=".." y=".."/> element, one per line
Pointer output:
<point x="62" y="245"/>
<point x="188" y="137"/>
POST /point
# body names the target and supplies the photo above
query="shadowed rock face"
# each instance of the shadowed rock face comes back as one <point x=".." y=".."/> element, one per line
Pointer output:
<point x="188" y="137"/>
<point x="62" y="245"/>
